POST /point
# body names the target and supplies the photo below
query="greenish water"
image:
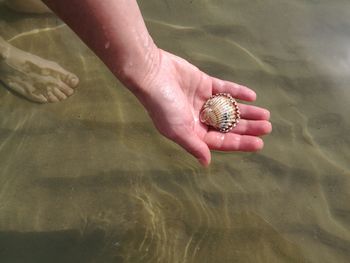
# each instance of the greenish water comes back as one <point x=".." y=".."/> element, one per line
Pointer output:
<point x="90" y="180"/>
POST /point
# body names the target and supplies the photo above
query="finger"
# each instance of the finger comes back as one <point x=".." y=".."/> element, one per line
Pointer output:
<point x="195" y="146"/>
<point x="236" y="90"/>
<point x="250" y="112"/>
<point x="233" y="142"/>
<point x="256" y="128"/>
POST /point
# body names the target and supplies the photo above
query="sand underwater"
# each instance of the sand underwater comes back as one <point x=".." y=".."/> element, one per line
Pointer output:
<point x="91" y="180"/>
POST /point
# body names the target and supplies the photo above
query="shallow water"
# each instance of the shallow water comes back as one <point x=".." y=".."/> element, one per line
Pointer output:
<point x="90" y="180"/>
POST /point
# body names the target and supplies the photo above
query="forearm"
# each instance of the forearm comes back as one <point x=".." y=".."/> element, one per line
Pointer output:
<point x="116" y="32"/>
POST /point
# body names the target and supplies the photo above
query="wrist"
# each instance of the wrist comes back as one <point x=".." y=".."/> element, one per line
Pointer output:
<point x="137" y="71"/>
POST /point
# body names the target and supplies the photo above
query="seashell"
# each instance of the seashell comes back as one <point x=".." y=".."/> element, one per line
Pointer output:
<point x="221" y="112"/>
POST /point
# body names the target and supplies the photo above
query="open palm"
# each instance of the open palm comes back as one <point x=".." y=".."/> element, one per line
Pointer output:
<point x="176" y="94"/>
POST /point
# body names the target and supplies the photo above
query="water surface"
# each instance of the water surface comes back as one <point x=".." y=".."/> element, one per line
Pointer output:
<point x="90" y="179"/>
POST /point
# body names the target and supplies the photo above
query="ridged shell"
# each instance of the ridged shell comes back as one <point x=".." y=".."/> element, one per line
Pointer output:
<point x="221" y="112"/>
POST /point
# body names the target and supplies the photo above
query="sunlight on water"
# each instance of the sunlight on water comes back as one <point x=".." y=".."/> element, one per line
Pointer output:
<point x="90" y="180"/>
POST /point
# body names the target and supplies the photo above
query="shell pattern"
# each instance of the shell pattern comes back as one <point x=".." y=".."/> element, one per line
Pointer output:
<point x="221" y="112"/>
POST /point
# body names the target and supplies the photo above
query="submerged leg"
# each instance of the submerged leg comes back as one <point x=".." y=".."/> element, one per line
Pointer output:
<point x="33" y="77"/>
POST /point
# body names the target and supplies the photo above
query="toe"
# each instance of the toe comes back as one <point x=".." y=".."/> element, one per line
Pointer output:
<point x="72" y="80"/>
<point x="69" y="79"/>
<point x="26" y="90"/>
<point x="14" y="85"/>
<point x="67" y="90"/>
<point x="56" y="71"/>
<point x="39" y="98"/>
<point x="59" y="94"/>
<point x="52" y="97"/>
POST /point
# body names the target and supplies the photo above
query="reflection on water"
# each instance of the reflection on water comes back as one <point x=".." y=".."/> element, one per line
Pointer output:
<point x="90" y="180"/>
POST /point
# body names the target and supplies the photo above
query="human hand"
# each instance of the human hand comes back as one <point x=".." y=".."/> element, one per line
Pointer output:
<point x="174" y="96"/>
<point x="171" y="89"/>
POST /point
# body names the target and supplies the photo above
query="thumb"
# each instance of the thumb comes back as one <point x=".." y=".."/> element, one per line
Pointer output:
<point x="195" y="146"/>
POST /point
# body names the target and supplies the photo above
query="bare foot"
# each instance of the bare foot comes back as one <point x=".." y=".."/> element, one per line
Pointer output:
<point x="28" y="6"/>
<point x="33" y="77"/>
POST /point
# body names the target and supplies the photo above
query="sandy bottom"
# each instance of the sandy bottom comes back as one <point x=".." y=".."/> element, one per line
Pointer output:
<point x="90" y="180"/>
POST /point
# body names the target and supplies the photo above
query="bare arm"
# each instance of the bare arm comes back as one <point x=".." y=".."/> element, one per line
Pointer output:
<point x="171" y="89"/>
<point x="116" y="32"/>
